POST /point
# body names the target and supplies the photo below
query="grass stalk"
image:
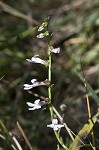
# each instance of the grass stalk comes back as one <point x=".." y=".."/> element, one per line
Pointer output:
<point x="88" y="108"/>
<point x="24" y="136"/>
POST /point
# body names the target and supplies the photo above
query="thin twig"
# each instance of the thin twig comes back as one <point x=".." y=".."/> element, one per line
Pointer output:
<point x="1" y="77"/>
<point x="17" y="13"/>
<point x="24" y="136"/>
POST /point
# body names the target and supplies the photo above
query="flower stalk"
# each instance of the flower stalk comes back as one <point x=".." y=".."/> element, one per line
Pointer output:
<point x="50" y="76"/>
<point x="50" y="90"/>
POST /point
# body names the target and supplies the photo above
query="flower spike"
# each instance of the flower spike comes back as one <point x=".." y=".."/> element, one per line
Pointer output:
<point x="55" y="125"/>
<point x="36" y="105"/>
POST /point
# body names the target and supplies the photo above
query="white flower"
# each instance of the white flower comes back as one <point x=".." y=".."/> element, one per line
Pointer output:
<point x="41" y="35"/>
<point x="35" y="83"/>
<point x="42" y="26"/>
<point x="55" y="125"/>
<point x="36" y="105"/>
<point x="35" y="59"/>
<point x="54" y="50"/>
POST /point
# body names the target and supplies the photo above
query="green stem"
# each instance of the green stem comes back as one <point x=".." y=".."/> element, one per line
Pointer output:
<point x="49" y="78"/>
<point x="50" y="95"/>
<point x="60" y="140"/>
<point x="49" y="75"/>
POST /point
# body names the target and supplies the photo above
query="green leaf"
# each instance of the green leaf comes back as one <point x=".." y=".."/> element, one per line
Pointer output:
<point x="20" y="36"/>
<point x="92" y="92"/>
<point x="78" y="141"/>
<point x="6" y="134"/>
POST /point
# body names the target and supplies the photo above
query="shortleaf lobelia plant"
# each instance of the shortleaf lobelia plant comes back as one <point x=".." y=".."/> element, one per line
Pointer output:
<point x="76" y="142"/>
<point x="44" y="32"/>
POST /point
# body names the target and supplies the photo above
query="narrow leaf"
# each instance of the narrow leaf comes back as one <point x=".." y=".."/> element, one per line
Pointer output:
<point x="5" y="133"/>
<point x="9" y="139"/>
<point x="93" y="94"/>
<point x="78" y="141"/>
<point x="20" y="36"/>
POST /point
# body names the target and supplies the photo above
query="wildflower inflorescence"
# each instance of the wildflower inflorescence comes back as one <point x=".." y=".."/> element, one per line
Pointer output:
<point x="55" y="125"/>
<point x="36" y="105"/>
<point x="36" y="59"/>
<point x="34" y="83"/>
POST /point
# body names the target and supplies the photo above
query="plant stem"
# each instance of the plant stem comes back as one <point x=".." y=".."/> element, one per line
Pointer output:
<point x="50" y="94"/>
<point x="89" y="114"/>
<point x="49" y="78"/>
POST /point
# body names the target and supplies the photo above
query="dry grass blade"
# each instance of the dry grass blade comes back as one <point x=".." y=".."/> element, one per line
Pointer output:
<point x="24" y="136"/>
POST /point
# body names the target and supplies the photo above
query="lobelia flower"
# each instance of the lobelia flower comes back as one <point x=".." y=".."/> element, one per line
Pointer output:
<point x="36" y="105"/>
<point x="54" y="50"/>
<point x="55" y="125"/>
<point x="40" y="36"/>
<point x="42" y="26"/>
<point x="35" y="83"/>
<point x="35" y="59"/>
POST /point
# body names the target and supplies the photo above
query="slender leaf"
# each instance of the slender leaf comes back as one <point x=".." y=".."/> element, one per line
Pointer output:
<point x="20" y="36"/>
<point x="93" y="94"/>
<point x="10" y="140"/>
<point x="5" y="133"/>
<point x="78" y="141"/>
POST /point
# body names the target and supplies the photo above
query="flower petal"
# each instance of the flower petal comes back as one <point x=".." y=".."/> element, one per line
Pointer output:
<point x="59" y="126"/>
<point x="37" y="101"/>
<point x="36" y="59"/>
<point x="30" y="104"/>
<point x="50" y="125"/>
<point x="35" y="83"/>
<point x="41" y="28"/>
<point x="41" y="35"/>
<point x="27" y="86"/>
<point x="29" y="60"/>
<point x="54" y="50"/>
<point x="54" y="121"/>
<point x="55" y="128"/>
<point x="41" y="103"/>
<point x="36" y="105"/>
<point x="55" y="125"/>
<point x="33" y="80"/>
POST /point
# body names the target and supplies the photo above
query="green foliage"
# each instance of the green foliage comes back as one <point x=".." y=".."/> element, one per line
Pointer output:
<point x="17" y="38"/>
<point x="83" y="133"/>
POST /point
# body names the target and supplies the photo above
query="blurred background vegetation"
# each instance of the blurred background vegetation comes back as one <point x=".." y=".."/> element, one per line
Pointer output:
<point x="75" y="28"/>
